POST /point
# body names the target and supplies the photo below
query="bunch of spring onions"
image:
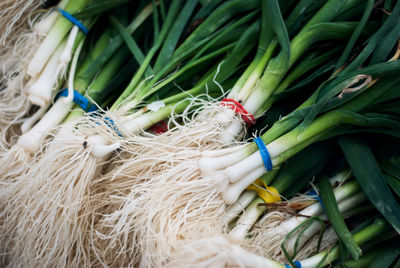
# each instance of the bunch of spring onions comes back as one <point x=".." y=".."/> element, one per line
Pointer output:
<point x="199" y="133"/>
<point x="189" y="199"/>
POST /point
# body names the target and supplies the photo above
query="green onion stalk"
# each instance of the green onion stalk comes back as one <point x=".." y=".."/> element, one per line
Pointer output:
<point x="347" y="81"/>
<point x="280" y="149"/>
<point x="14" y="81"/>
<point x="165" y="151"/>
<point x="167" y="62"/>
<point x="218" y="178"/>
<point x="264" y="77"/>
<point x="72" y="161"/>
<point x="233" y="53"/>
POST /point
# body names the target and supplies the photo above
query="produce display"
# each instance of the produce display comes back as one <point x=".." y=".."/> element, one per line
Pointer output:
<point x="199" y="133"/>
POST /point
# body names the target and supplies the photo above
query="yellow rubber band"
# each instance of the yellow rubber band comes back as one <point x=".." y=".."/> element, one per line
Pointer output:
<point x="267" y="193"/>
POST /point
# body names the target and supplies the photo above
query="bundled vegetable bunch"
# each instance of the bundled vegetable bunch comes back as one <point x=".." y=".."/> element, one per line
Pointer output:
<point x="176" y="133"/>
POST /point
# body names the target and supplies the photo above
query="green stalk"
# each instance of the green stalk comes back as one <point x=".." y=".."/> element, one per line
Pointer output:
<point x="178" y="57"/>
<point x="311" y="61"/>
<point x="173" y="11"/>
<point x="95" y="90"/>
<point x="355" y="35"/>
<point x="277" y="67"/>
<point x="336" y="219"/>
<point x="117" y="41"/>
<point x="329" y="255"/>
<point x="148" y="90"/>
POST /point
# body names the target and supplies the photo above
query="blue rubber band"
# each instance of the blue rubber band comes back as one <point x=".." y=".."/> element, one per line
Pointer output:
<point x="315" y="195"/>
<point x="79" y="99"/>
<point x="110" y="123"/>
<point x="296" y="263"/>
<point x="74" y="20"/>
<point x="264" y="153"/>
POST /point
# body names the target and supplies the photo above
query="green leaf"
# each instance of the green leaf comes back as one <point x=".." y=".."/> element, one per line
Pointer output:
<point x="130" y="43"/>
<point x="391" y="173"/>
<point x="389" y="24"/>
<point x="301" y="168"/>
<point x="98" y="7"/>
<point x="385" y="46"/>
<point x="336" y="219"/>
<point x="276" y="20"/>
<point x="386" y="258"/>
<point x="368" y="174"/>
<point x="355" y="35"/>
<point x="156" y="21"/>
<point x="172" y="39"/>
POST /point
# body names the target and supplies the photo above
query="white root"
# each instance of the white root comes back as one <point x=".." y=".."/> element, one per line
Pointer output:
<point x="57" y="193"/>
<point x="217" y="251"/>
<point x="14" y="17"/>
<point x="145" y="231"/>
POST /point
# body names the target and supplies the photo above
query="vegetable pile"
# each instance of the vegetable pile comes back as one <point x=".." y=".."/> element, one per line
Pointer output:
<point x="172" y="133"/>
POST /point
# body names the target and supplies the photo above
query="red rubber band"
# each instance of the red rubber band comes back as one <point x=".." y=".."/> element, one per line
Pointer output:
<point x="240" y="110"/>
<point x="159" y="128"/>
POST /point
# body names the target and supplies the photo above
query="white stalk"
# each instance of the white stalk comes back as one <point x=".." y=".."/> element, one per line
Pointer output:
<point x="33" y="139"/>
<point x="101" y="147"/>
<point x="224" y="116"/>
<point x="234" y="190"/>
<point x="315" y="260"/>
<point x="44" y="52"/>
<point x="239" y="206"/>
<point x="239" y="170"/>
<point x="71" y="77"/>
<point x="315" y="227"/>
<point x="66" y="55"/>
<point x="247" y="220"/>
<point x="221" y="152"/>
<point x="43" y="27"/>
<point x="27" y="125"/>
<point x="316" y="209"/>
<point x="143" y="121"/>
<point x="254" y="102"/>
<point x="40" y="92"/>
<point x="209" y="164"/>
<point x="232" y="132"/>
<point x="285" y="227"/>
<point x="249" y="259"/>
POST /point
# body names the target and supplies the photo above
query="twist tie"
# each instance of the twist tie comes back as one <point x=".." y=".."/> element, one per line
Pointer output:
<point x="264" y="153"/>
<point x="315" y="195"/>
<point x="239" y="109"/>
<point x="79" y="99"/>
<point x="267" y="193"/>
<point x="296" y="263"/>
<point x="74" y="20"/>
